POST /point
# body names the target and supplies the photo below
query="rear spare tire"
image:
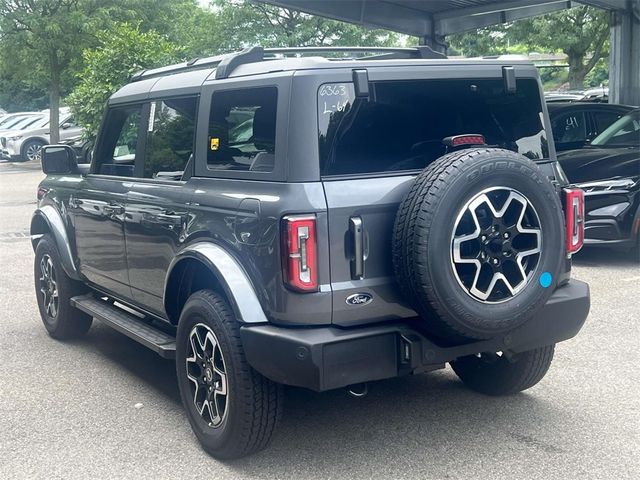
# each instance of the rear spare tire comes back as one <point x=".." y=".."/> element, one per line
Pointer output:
<point x="479" y="243"/>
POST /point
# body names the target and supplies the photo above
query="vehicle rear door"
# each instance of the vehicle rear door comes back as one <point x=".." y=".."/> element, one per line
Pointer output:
<point x="372" y="147"/>
<point x="156" y="213"/>
<point x="98" y="206"/>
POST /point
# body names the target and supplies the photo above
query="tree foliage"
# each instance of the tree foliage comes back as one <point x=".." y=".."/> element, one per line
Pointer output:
<point x="581" y="33"/>
<point x="243" y="23"/>
<point x="122" y="50"/>
<point x="43" y="39"/>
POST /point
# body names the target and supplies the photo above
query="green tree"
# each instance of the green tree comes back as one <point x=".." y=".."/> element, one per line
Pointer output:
<point x="241" y="23"/>
<point x="581" y="33"/>
<point x="122" y="50"/>
<point x="41" y="39"/>
<point x="484" y="41"/>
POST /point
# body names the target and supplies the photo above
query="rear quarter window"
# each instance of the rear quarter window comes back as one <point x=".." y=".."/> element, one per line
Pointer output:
<point x="401" y="126"/>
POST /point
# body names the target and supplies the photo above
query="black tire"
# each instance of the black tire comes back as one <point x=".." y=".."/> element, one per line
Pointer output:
<point x="64" y="321"/>
<point x="492" y="374"/>
<point x="423" y="235"/>
<point x="253" y="404"/>
<point x="26" y="149"/>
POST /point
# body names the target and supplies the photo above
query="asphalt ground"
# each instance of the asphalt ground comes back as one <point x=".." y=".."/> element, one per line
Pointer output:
<point x="106" y="407"/>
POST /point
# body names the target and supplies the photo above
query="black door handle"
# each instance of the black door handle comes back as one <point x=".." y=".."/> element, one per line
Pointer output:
<point x="167" y="218"/>
<point x="356" y="231"/>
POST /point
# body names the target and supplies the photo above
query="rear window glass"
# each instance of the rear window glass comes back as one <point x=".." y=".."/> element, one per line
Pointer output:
<point x="402" y="124"/>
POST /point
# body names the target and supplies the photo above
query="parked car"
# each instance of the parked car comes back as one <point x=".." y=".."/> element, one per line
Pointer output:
<point x="597" y="94"/>
<point x="81" y="146"/>
<point x="385" y="216"/>
<point x="575" y="124"/>
<point x="608" y="170"/>
<point x="553" y="97"/>
<point x="25" y="144"/>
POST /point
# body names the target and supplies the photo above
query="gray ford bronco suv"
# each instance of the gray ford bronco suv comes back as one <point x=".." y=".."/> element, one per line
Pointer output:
<point x="320" y="218"/>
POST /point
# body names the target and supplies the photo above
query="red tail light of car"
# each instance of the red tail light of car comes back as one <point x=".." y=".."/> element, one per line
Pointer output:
<point x="300" y="248"/>
<point x="464" y="140"/>
<point x="574" y="211"/>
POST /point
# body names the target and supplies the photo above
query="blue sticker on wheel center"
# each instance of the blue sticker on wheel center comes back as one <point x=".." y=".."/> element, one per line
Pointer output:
<point x="545" y="279"/>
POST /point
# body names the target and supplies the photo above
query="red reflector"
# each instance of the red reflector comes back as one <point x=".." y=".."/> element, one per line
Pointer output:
<point x="300" y="250"/>
<point x="461" y="140"/>
<point x="42" y="192"/>
<point x="574" y="211"/>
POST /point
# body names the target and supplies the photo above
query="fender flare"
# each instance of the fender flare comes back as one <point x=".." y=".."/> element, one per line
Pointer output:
<point x="55" y="225"/>
<point x="229" y="273"/>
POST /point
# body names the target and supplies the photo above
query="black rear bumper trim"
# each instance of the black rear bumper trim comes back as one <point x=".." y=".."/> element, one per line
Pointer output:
<point x="324" y="358"/>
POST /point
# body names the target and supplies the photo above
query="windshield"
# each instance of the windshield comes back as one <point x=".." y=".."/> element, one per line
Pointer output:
<point x="402" y="125"/>
<point x="624" y="132"/>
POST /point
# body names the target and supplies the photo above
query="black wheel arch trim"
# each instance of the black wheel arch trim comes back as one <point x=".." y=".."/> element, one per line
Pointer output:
<point x="229" y="273"/>
<point x="47" y="219"/>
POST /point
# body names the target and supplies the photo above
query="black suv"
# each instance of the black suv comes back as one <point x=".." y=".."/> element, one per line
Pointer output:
<point x="277" y="217"/>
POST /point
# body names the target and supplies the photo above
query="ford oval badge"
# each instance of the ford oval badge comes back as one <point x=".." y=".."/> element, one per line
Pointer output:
<point x="359" y="299"/>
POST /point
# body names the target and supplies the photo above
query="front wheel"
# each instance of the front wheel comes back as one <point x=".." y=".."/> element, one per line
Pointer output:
<point x="54" y="290"/>
<point x="233" y="410"/>
<point x="502" y="374"/>
<point x="31" y="150"/>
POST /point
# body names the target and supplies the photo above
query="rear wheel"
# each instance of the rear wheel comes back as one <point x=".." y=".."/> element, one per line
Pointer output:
<point x="233" y="410"/>
<point x="54" y="290"/>
<point x="501" y="374"/>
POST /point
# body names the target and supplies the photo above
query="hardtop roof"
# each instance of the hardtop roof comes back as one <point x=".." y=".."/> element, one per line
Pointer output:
<point x="188" y="77"/>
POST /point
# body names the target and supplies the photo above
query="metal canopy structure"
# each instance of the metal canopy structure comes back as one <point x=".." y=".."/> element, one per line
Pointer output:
<point x="432" y="20"/>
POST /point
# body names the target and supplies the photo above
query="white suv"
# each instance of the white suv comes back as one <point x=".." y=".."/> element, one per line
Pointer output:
<point x="24" y="145"/>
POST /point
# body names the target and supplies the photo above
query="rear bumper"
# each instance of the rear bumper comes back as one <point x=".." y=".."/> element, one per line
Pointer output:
<point x="324" y="358"/>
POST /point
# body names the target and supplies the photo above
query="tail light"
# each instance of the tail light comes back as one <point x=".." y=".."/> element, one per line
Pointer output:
<point x="300" y="252"/>
<point x="464" y="140"/>
<point x="42" y="192"/>
<point x="574" y="211"/>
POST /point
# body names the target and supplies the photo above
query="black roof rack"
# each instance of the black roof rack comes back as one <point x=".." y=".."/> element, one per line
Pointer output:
<point x="227" y="63"/>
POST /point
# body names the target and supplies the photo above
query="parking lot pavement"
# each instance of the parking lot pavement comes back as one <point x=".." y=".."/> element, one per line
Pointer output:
<point x="68" y="410"/>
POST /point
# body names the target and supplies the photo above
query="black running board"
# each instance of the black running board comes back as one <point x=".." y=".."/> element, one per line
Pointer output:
<point x="127" y="323"/>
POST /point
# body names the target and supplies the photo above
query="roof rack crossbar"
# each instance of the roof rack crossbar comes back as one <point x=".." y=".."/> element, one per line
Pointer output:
<point x="226" y="64"/>
<point x="193" y="64"/>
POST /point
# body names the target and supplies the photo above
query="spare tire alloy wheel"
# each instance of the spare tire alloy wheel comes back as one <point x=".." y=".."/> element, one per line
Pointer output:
<point x="478" y="243"/>
<point x="496" y="244"/>
<point x="207" y="372"/>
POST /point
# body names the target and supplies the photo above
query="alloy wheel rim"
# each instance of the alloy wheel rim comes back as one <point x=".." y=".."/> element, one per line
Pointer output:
<point x="207" y="374"/>
<point x="49" y="286"/>
<point x="496" y="244"/>
<point x="33" y="151"/>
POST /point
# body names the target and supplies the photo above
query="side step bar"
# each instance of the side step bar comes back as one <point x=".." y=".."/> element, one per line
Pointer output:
<point x="127" y="323"/>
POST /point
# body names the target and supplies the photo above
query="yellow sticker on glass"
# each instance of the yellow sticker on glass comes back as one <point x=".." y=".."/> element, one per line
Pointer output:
<point x="215" y="143"/>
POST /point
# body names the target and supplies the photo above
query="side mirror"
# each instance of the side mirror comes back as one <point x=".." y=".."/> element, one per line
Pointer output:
<point x="58" y="159"/>
<point x="65" y="125"/>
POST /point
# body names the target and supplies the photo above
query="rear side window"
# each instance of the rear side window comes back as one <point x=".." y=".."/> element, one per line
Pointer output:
<point x="116" y="154"/>
<point x="604" y="119"/>
<point x="170" y="137"/>
<point x="242" y="130"/>
<point x="570" y="127"/>
<point x="402" y="124"/>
